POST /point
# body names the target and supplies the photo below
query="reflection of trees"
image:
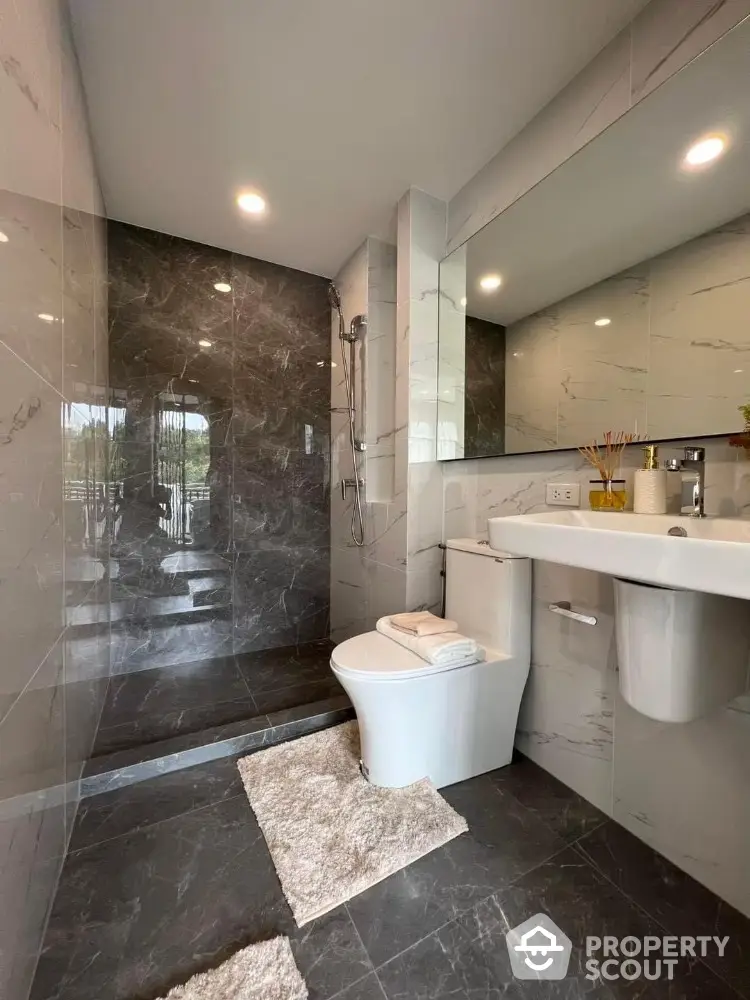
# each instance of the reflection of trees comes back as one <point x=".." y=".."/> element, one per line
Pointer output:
<point x="86" y="452"/>
<point x="194" y="453"/>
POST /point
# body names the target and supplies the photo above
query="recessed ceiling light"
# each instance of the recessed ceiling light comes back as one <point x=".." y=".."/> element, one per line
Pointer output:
<point x="3" y="238"/>
<point x="738" y="371"/>
<point x="705" y="151"/>
<point x="47" y="317"/>
<point x="205" y="343"/>
<point x="490" y="282"/>
<point x="602" y="321"/>
<point x="252" y="203"/>
<point x="223" y="286"/>
<point x="463" y="302"/>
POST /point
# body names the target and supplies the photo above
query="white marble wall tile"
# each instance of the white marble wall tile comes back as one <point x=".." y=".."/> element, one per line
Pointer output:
<point x="460" y="499"/>
<point x="31" y="282"/>
<point x="567" y="721"/>
<point x="31" y="98"/>
<point x="700" y="344"/>
<point x="380" y="411"/>
<point x="53" y="263"/>
<point x="386" y="590"/>
<point x="695" y="805"/>
<point x="668" y="34"/>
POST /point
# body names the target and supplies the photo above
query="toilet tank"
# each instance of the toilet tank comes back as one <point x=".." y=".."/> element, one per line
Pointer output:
<point x="488" y="593"/>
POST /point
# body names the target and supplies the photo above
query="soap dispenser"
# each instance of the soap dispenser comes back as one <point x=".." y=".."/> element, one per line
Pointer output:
<point x="650" y="487"/>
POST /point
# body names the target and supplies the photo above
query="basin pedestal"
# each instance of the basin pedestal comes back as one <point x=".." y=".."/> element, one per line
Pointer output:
<point x="681" y="654"/>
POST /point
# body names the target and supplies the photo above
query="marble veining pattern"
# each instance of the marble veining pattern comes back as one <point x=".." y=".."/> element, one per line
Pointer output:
<point x="248" y="366"/>
<point x="573" y="722"/>
<point x="198" y="868"/>
<point x="673" y="360"/>
<point x="53" y="363"/>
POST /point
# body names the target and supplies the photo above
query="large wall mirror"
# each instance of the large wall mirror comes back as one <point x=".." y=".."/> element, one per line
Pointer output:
<point x="616" y="293"/>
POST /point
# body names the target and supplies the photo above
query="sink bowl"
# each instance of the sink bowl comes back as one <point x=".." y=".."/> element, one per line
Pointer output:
<point x="713" y="556"/>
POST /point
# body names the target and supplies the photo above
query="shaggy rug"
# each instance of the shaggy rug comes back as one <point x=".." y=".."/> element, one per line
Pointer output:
<point x="264" y="971"/>
<point x="331" y="834"/>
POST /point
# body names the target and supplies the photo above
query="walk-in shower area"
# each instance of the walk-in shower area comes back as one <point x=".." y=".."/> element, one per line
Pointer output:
<point x="204" y="550"/>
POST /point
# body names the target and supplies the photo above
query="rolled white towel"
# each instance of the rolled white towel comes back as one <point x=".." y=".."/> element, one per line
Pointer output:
<point x="446" y="649"/>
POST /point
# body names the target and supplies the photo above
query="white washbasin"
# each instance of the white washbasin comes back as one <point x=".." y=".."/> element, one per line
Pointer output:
<point x="713" y="558"/>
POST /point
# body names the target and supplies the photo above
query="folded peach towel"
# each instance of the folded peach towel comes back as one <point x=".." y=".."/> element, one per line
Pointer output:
<point x="422" y="623"/>
<point x="447" y="649"/>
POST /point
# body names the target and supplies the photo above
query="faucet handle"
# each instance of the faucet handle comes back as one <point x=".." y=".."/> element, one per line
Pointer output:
<point x="695" y="454"/>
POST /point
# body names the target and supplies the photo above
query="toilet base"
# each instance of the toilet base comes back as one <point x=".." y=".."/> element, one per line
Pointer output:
<point x="447" y="727"/>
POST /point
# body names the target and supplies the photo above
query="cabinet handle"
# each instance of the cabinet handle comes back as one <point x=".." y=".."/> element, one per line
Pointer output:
<point x="563" y="608"/>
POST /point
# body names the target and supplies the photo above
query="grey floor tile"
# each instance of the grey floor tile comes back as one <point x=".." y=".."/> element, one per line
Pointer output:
<point x="445" y="966"/>
<point x="135" y="807"/>
<point x="135" y="915"/>
<point x="562" y="809"/>
<point x="297" y="694"/>
<point x="368" y="988"/>
<point x="679" y="903"/>
<point x="468" y="957"/>
<point x="150" y="727"/>
<point x="171" y="689"/>
<point x="329" y="954"/>
<point x="582" y="902"/>
<point x="504" y="841"/>
<point x="273" y="669"/>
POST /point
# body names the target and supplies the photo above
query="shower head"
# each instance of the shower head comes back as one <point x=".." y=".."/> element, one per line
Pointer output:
<point x="333" y="297"/>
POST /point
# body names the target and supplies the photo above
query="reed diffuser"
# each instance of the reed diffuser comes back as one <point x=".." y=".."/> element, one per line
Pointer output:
<point x="611" y="493"/>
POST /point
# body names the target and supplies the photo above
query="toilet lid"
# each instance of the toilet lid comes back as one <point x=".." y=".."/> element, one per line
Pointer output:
<point x="380" y="657"/>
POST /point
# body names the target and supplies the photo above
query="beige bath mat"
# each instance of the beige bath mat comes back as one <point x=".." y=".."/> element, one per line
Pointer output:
<point x="330" y="833"/>
<point x="264" y="971"/>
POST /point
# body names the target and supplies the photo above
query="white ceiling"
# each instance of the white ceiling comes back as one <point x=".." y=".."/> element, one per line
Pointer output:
<point x="625" y="197"/>
<point x="331" y="108"/>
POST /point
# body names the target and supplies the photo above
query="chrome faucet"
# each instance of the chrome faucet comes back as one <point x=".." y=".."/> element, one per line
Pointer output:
<point x="693" y="469"/>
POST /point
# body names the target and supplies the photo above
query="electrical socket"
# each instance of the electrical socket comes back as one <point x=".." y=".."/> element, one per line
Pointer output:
<point x="563" y="495"/>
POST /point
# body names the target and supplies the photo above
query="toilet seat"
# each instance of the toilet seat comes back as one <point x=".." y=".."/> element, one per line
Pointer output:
<point x="375" y="657"/>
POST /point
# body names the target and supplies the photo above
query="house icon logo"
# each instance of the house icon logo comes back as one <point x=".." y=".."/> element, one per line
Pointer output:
<point x="538" y="949"/>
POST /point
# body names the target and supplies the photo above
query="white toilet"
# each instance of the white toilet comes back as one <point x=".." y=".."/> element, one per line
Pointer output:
<point x="446" y="723"/>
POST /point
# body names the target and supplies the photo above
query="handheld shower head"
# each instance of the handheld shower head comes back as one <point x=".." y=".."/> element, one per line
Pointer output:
<point x="334" y="298"/>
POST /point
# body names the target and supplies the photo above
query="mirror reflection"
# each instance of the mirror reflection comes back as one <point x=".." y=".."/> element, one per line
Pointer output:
<point x="616" y="293"/>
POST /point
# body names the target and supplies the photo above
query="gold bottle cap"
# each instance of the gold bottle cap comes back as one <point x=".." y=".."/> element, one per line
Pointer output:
<point x="651" y="456"/>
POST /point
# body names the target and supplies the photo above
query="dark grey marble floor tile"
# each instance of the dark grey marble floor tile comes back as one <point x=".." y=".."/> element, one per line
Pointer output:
<point x="136" y="915"/>
<point x="126" y="767"/>
<point x="562" y="809"/>
<point x="273" y="669"/>
<point x="135" y="807"/>
<point x="679" y="903"/>
<point x="504" y="841"/>
<point x="152" y="727"/>
<point x="445" y="966"/>
<point x="171" y="689"/>
<point x="368" y="988"/>
<point x="329" y="954"/>
<point x="297" y="694"/>
<point x="582" y="902"/>
<point x="147" y="648"/>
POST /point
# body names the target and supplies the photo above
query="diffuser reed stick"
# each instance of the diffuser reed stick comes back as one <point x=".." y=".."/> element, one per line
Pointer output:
<point x="605" y="459"/>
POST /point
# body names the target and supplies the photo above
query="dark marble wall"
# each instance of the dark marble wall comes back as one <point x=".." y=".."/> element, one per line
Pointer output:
<point x="243" y="375"/>
<point x="484" y="417"/>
